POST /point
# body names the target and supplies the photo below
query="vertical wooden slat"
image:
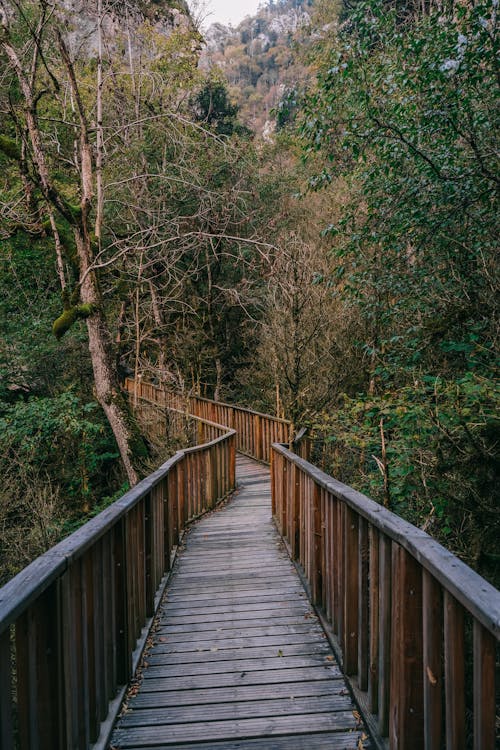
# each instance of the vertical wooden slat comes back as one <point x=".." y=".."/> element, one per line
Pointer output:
<point x="317" y="544"/>
<point x="363" y="608"/>
<point x="338" y="564"/>
<point x="89" y="664"/>
<point x="406" y="717"/>
<point x="6" y="728"/>
<point x="39" y="674"/>
<point x="385" y="597"/>
<point x="374" y="595"/>
<point x="108" y="621"/>
<point x="351" y="591"/>
<point x="99" y="637"/>
<point x="432" y="617"/>
<point x="454" y="670"/>
<point x="122" y="622"/>
<point x="25" y="669"/>
<point x="149" y="551"/>
<point x="484" y="688"/>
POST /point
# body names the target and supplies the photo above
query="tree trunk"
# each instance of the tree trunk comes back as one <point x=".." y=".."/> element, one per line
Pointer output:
<point x="107" y="389"/>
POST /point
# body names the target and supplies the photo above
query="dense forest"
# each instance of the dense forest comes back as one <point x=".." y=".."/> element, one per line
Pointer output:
<point x="341" y="271"/>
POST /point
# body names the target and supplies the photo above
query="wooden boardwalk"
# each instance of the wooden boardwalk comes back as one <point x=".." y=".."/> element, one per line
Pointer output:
<point x="238" y="658"/>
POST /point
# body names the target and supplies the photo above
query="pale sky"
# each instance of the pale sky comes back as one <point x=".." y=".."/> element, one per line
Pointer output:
<point x="223" y="11"/>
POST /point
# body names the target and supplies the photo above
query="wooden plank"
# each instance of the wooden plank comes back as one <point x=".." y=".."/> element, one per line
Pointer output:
<point x="234" y="615"/>
<point x="236" y="710"/>
<point x="258" y="677"/>
<point x="321" y="741"/>
<point x="173" y="734"/>
<point x="230" y="666"/>
<point x="302" y="640"/>
<point x="240" y="632"/>
<point x="244" y="652"/>
<point x="241" y="693"/>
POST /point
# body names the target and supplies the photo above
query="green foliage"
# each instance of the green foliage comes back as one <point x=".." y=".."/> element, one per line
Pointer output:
<point x="436" y="434"/>
<point x="10" y="148"/>
<point x="62" y="437"/>
<point x="404" y="113"/>
<point x="212" y="106"/>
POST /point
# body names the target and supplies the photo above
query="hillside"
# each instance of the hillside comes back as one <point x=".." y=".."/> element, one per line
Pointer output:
<point x="257" y="58"/>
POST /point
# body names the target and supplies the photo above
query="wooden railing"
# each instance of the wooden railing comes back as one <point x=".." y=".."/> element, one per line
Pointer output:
<point x="255" y="432"/>
<point x="73" y="623"/>
<point x="418" y="630"/>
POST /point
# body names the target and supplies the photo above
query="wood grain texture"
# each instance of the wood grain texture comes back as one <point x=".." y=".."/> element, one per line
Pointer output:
<point x="239" y="658"/>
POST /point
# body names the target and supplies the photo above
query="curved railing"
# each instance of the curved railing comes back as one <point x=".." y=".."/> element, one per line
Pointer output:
<point x="255" y="432"/>
<point x="74" y="622"/>
<point x="415" y="628"/>
<point x="400" y="607"/>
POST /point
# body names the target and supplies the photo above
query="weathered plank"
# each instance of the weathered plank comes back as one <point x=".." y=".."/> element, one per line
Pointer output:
<point x="337" y="740"/>
<point x="242" y="693"/>
<point x="238" y="658"/>
<point x="173" y="734"/>
<point x="236" y="710"/>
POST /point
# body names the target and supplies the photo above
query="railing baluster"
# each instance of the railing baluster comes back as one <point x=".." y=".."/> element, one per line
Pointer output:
<point x="363" y="605"/>
<point x="6" y="725"/>
<point x="405" y="725"/>
<point x="351" y="592"/>
<point x="373" y="671"/>
<point x="484" y="688"/>
<point x="454" y="673"/>
<point x="432" y="614"/>
<point x="385" y="605"/>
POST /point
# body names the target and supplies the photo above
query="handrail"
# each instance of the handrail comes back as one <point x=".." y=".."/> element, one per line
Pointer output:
<point x="78" y="611"/>
<point x="397" y="604"/>
<point x="255" y="432"/>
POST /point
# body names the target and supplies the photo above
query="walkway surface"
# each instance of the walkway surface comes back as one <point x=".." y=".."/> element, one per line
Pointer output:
<point x="238" y="658"/>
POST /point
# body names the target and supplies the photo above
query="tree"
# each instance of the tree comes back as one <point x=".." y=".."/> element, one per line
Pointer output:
<point x="404" y="113"/>
<point x="51" y="140"/>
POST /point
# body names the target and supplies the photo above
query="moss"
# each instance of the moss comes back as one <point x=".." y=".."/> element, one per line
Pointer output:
<point x="75" y="210"/>
<point x="10" y="148"/>
<point x="76" y="312"/>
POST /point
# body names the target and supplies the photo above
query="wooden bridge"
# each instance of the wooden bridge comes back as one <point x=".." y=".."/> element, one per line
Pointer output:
<point x="235" y="655"/>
